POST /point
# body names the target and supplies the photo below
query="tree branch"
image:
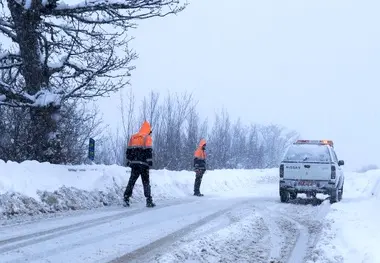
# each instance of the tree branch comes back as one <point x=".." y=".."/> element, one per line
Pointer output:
<point x="6" y="90"/>
<point x="132" y="6"/>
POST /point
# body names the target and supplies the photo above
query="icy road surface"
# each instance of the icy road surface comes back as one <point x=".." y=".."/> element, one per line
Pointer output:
<point x="193" y="229"/>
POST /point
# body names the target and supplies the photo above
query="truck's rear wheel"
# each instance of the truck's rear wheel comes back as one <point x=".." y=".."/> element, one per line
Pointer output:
<point x="284" y="196"/>
<point x="340" y="194"/>
<point x="334" y="196"/>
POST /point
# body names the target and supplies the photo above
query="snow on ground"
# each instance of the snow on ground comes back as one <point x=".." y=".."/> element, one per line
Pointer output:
<point x="348" y="233"/>
<point x="31" y="188"/>
<point x="243" y="239"/>
<point x="351" y="229"/>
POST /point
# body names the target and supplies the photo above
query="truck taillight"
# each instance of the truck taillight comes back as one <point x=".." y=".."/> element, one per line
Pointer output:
<point x="281" y="171"/>
<point x="333" y="172"/>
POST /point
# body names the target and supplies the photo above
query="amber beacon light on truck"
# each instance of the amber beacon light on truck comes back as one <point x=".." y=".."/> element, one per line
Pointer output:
<point x="320" y="142"/>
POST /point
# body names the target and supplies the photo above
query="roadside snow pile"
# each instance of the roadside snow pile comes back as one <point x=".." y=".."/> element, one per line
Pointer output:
<point x="351" y="229"/>
<point x="31" y="188"/>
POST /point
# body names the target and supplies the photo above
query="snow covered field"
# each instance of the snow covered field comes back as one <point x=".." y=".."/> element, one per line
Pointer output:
<point x="239" y="219"/>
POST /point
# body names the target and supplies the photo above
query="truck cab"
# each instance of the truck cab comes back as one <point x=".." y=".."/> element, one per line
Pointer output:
<point x="311" y="167"/>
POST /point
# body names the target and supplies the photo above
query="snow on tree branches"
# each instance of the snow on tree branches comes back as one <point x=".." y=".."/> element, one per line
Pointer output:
<point x="59" y="52"/>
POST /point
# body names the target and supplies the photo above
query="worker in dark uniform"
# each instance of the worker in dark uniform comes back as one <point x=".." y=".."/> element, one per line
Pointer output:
<point x="139" y="158"/>
<point x="199" y="166"/>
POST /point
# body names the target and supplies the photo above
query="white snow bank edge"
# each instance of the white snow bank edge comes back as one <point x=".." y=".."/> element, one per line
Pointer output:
<point x="32" y="188"/>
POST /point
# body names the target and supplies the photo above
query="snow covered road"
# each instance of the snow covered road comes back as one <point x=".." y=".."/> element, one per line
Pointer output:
<point x="44" y="217"/>
<point x="209" y="229"/>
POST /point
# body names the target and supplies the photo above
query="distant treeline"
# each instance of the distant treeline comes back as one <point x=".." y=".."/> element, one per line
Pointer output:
<point x="177" y="129"/>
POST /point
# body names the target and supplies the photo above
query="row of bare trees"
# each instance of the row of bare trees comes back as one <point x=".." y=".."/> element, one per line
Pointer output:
<point x="54" y="56"/>
<point x="177" y="129"/>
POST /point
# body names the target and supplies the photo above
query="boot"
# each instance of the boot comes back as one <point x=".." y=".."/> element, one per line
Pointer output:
<point x="198" y="194"/>
<point x="126" y="202"/>
<point x="149" y="202"/>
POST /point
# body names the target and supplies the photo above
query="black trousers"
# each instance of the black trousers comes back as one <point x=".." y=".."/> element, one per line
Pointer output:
<point x="198" y="180"/>
<point x="135" y="173"/>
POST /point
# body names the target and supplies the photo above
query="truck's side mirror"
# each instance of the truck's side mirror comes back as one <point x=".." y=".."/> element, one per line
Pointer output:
<point x="340" y="162"/>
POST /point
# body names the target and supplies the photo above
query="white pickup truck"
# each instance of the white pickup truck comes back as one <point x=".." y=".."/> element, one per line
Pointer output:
<point x="311" y="167"/>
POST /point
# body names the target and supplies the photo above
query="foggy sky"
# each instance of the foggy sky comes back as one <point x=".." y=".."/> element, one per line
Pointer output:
<point x="312" y="66"/>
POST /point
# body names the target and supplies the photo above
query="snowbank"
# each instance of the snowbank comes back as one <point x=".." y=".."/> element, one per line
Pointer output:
<point x="351" y="229"/>
<point x="34" y="188"/>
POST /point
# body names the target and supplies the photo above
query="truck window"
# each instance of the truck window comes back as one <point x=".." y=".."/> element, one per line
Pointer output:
<point x="335" y="158"/>
<point x="308" y="153"/>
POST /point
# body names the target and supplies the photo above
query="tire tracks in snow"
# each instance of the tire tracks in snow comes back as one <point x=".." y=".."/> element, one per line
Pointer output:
<point x="277" y="239"/>
<point x="376" y="188"/>
<point x="290" y="232"/>
<point x="288" y="237"/>
<point x="288" y="228"/>
<point x="148" y="251"/>
<point x="300" y="247"/>
<point x="252" y="229"/>
<point x="308" y="232"/>
<point x="21" y="241"/>
<point x="293" y="232"/>
<point x="139" y="252"/>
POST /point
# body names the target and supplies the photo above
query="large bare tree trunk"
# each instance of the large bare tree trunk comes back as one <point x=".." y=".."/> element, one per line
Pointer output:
<point x="26" y="26"/>
<point x="44" y="143"/>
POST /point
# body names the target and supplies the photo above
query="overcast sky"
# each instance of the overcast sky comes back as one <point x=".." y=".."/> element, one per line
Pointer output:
<point x="312" y="66"/>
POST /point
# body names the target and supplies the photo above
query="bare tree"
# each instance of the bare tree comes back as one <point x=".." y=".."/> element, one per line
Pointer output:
<point x="168" y="119"/>
<point x="77" y="124"/>
<point x="104" y="148"/>
<point x="219" y="144"/>
<point x="14" y="132"/>
<point x="61" y="52"/>
<point x="127" y="110"/>
<point x="238" y="146"/>
<point x="190" y="137"/>
<point x="276" y="139"/>
<point x="108" y="149"/>
<point x="150" y="108"/>
<point x="255" y="148"/>
<point x="129" y="124"/>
